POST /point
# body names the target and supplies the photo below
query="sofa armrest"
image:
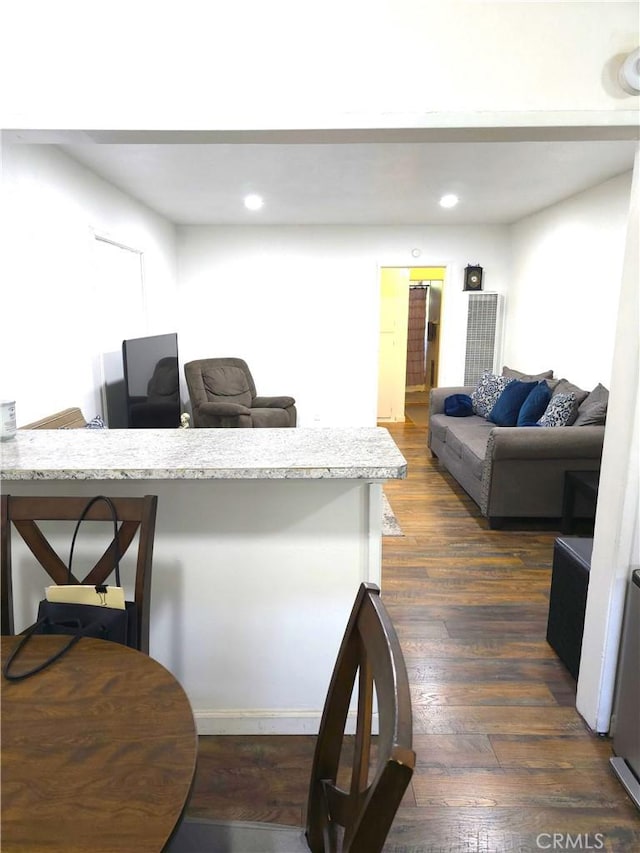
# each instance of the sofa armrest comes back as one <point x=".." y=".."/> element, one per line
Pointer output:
<point x="437" y="396"/>
<point x="582" y="442"/>
<point x="272" y="402"/>
<point x="524" y="468"/>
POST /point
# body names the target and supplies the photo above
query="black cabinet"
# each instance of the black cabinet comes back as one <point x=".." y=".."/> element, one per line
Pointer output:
<point x="568" y="598"/>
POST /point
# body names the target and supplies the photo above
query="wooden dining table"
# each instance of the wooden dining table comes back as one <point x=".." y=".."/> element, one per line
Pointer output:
<point x="98" y="750"/>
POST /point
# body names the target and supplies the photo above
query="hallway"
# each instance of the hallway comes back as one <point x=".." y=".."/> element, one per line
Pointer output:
<point x="416" y="407"/>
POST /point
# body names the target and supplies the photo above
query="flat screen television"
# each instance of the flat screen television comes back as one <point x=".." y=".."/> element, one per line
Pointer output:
<point x="152" y="384"/>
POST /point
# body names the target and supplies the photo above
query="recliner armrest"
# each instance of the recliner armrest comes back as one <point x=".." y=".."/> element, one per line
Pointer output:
<point x="272" y="402"/>
<point x="223" y="410"/>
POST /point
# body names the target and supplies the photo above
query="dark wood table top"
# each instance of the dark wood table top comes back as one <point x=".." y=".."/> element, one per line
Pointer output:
<point x="98" y="751"/>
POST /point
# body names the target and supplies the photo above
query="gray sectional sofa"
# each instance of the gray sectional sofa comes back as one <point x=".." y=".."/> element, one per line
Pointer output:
<point x="517" y="471"/>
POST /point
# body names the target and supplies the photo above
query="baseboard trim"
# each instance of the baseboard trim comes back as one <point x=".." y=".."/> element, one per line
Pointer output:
<point x="265" y="722"/>
<point x="627" y="778"/>
<point x="257" y="722"/>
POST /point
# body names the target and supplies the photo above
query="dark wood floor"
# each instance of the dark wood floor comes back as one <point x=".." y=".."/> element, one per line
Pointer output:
<point x="504" y="761"/>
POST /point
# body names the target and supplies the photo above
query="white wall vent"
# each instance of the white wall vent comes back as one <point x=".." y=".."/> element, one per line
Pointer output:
<point x="483" y="322"/>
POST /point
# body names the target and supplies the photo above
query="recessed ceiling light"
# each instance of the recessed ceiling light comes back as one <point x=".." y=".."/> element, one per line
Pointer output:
<point x="253" y="202"/>
<point x="449" y="200"/>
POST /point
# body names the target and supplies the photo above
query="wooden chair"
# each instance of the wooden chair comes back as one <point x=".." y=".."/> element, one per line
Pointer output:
<point x="355" y="818"/>
<point x="134" y="514"/>
<point x="66" y="419"/>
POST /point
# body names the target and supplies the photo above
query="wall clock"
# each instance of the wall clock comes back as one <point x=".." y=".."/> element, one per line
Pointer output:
<point x="472" y="278"/>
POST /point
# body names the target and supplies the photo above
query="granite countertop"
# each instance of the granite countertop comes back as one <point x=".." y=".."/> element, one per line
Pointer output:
<point x="203" y="454"/>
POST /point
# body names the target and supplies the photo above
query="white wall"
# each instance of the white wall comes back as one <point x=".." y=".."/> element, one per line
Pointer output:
<point x="52" y="209"/>
<point x="247" y="63"/>
<point x="616" y="544"/>
<point x="565" y="282"/>
<point x="301" y="305"/>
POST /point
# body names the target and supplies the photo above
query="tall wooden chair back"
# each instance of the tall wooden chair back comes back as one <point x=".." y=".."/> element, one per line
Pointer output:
<point x="351" y="804"/>
<point x="134" y="515"/>
<point x="358" y="818"/>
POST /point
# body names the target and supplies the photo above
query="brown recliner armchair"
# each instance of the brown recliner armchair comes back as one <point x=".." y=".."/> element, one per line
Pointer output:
<point x="223" y="394"/>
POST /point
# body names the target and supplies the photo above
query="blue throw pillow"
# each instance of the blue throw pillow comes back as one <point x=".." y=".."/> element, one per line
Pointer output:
<point x="505" y="412"/>
<point x="535" y="405"/>
<point x="458" y="405"/>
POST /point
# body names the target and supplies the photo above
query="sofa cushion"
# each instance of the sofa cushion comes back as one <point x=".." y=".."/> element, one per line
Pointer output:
<point x="561" y="411"/>
<point x="593" y="410"/>
<point x="596" y="415"/>
<point x="487" y="391"/>
<point x="468" y="433"/>
<point x="438" y="426"/>
<point x="526" y="377"/>
<point x="505" y="412"/>
<point x="535" y="405"/>
<point x="455" y="443"/>
<point x="474" y="452"/>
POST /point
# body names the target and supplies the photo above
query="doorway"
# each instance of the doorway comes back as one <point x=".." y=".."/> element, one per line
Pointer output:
<point x="409" y="344"/>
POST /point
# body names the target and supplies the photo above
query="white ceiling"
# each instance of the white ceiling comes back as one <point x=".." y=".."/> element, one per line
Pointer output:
<point x="357" y="183"/>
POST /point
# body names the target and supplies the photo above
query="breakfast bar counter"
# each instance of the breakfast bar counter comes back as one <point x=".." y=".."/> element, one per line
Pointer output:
<point x="202" y="454"/>
<point x="262" y="538"/>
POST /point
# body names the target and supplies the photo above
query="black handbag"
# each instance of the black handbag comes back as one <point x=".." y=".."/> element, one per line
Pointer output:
<point x="81" y="620"/>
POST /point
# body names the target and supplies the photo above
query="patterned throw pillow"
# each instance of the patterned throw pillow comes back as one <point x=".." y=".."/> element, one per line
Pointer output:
<point x="563" y="386"/>
<point x="96" y="423"/>
<point x="486" y="394"/>
<point x="560" y="411"/>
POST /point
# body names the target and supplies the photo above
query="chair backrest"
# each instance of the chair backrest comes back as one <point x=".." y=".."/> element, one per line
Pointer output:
<point x="211" y="380"/>
<point x="133" y="514"/>
<point x="66" y="419"/>
<point x="356" y="817"/>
